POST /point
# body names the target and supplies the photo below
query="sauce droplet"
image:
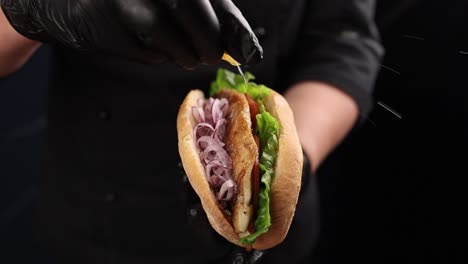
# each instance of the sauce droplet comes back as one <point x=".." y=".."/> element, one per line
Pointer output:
<point x="242" y="74"/>
<point x="226" y="57"/>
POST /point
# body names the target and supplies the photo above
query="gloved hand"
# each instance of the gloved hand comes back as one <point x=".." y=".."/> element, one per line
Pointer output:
<point x="241" y="256"/>
<point x="188" y="33"/>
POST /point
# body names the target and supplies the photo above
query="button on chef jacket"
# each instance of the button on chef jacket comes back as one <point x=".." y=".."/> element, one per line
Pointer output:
<point x="113" y="190"/>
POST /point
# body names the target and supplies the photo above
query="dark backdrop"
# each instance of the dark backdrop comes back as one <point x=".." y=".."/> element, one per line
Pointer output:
<point x="392" y="192"/>
<point x="22" y="140"/>
<point x="395" y="191"/>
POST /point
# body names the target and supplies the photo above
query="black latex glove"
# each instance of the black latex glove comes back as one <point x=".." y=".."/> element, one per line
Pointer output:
<point x="188" y="33"/>
<point x="241" y="256"/>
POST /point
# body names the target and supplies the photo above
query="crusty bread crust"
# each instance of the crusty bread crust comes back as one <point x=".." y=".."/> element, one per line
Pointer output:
<point x="286" y="182"/>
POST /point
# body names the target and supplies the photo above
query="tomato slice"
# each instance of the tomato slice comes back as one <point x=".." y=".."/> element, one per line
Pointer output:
<point x="253" y="112"/>
<point x="255" y="185"/>
<point x="253" y="107"/>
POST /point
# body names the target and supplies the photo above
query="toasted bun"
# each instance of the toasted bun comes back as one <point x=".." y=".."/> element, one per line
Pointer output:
<point x="286" y="182"/>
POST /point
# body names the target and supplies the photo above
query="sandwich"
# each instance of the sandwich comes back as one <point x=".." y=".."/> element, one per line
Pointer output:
<point x="241" y="153"/>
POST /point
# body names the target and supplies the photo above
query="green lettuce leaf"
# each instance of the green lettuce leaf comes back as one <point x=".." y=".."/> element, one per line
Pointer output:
<point x="228" y="80"/>
<point x="268" y="131"/>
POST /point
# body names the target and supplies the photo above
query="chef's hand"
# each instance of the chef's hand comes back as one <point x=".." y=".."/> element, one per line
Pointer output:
<point x="242" y="256"/>
<point x="188" y="33"/>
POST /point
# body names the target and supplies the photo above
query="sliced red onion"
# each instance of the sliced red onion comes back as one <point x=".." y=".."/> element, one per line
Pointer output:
<point x="216" y="152"/>
<point x="212" y="166"/>
<point x="219" y="141"/>
<point x="203" y="129"/>
<point x="216" y="112"/>
<point x="218" y="181"/>
<point x="198" y="114"/>
<point x="216" y="172"/>
<point x="227" y="190"/>
<point x="223" y="172"/>
<point x="209" y="133"/>
<point x="224" y="106"/>
<point x="220" y="129"/>
<point x="207" y="108"/>
<point x="206" y="141"/>
<point x="213" y="152"/>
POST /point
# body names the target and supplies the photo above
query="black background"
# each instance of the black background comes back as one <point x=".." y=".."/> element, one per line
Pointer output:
<point x="22" y="141"/>
<point x="392" y="192"/>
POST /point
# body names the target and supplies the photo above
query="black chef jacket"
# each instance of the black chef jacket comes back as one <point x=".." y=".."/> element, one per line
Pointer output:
<point x="113" y="191"/>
